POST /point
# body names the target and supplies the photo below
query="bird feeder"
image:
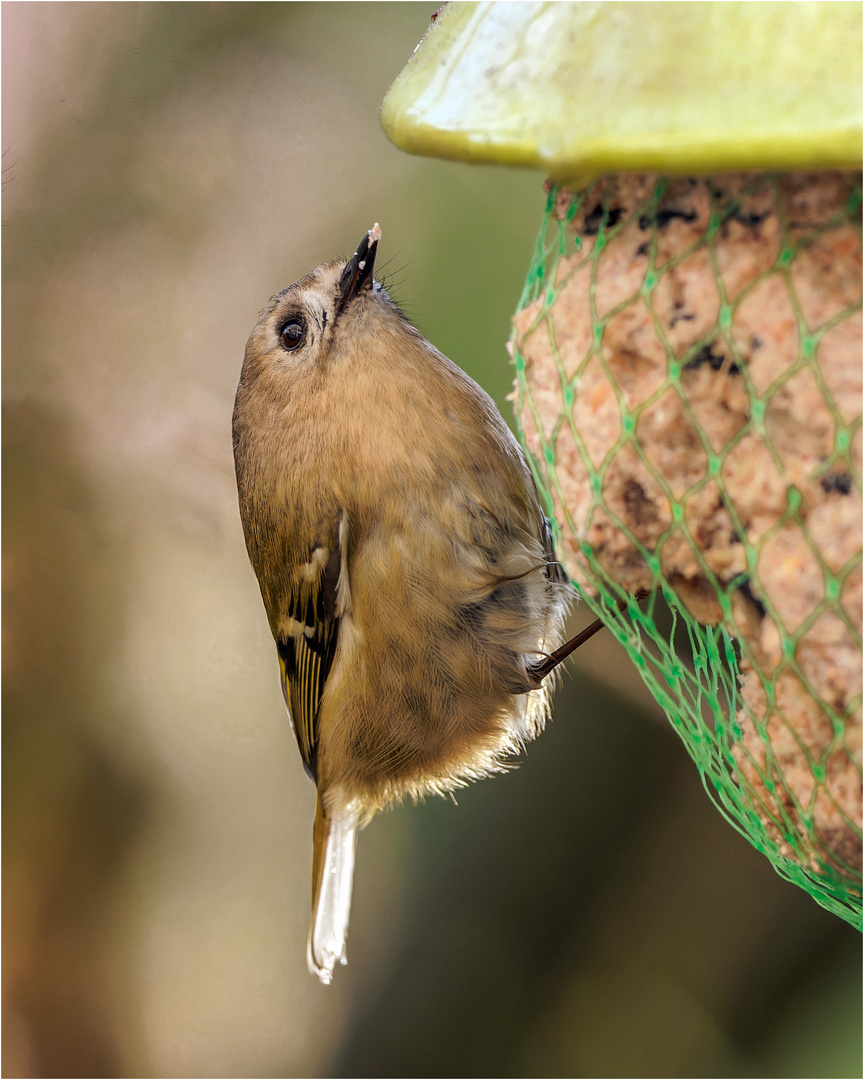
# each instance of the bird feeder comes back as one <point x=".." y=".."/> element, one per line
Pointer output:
<point x="688" y="364"/>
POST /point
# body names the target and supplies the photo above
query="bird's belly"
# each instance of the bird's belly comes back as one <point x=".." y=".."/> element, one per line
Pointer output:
<point x="443" y="696"/>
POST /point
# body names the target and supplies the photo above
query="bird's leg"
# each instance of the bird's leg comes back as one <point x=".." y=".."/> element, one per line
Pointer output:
<point x="538" y="672"/>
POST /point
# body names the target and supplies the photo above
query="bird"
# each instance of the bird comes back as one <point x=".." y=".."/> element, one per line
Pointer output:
<point x="406" y="566"/>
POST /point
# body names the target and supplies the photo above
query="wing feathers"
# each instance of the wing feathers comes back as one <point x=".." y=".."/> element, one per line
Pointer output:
<point x="307" y="644"/>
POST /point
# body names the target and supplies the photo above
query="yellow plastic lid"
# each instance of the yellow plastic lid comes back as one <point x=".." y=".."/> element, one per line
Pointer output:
<point x="579" y="89"/>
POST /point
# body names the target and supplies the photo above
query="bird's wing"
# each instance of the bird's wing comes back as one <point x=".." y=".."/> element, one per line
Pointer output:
<point x="307" y="643"/>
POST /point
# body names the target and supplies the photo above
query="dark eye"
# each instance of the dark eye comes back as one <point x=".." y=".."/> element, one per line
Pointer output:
<point x="293" y="334"/>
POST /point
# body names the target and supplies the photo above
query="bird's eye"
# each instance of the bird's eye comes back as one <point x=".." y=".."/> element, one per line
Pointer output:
<point x="293" y="335"/>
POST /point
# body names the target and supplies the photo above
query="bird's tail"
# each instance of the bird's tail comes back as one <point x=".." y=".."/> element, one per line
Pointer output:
<point x="334" y="839"/>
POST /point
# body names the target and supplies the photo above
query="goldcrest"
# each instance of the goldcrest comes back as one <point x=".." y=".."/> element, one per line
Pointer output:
<point x="406" y="567"/>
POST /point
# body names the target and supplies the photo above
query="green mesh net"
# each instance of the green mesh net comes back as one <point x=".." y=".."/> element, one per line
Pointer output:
<point x="688" y="388"/>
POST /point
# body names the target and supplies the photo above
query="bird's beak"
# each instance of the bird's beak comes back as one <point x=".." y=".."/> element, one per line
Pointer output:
<point x="357" y="274"/>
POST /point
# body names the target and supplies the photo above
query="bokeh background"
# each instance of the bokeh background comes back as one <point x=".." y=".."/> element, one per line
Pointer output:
<point x="167" y="168"/>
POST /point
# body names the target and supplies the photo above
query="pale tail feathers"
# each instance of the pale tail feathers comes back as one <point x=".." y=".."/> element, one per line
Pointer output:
<point x="334" y="843"/>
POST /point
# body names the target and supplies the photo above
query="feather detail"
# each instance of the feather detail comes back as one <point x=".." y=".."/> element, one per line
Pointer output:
<point x="334" y="843"/>
<point x="307" y="645"/>
<point x="554" y="570"/>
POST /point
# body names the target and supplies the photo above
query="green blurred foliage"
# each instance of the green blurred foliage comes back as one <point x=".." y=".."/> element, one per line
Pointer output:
<point x="170" y="166"/>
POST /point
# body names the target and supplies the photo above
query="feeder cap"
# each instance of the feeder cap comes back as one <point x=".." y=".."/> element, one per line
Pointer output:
<point x="580" y="89"/>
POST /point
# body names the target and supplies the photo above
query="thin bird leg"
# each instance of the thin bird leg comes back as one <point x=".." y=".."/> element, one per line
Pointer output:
<point x="539" y="671"/>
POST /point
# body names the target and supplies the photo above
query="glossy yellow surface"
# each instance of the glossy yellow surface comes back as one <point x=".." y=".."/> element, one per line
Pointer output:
<point x="578" y="89"/>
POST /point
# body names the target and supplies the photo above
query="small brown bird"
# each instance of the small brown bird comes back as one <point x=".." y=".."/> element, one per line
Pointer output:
<point x="405" y="564"/>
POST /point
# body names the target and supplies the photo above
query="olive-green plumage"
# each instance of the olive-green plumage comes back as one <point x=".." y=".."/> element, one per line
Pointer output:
<point x="403" y="558"/>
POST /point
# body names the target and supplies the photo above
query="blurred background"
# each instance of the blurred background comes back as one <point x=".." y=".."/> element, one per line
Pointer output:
<point x="167" y="168"/>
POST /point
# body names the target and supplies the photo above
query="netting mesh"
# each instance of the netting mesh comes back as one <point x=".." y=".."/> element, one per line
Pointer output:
<point x="688" y="387"/>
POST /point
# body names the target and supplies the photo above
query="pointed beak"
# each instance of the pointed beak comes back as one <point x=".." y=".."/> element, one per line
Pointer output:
<point x="357" y="274"/>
